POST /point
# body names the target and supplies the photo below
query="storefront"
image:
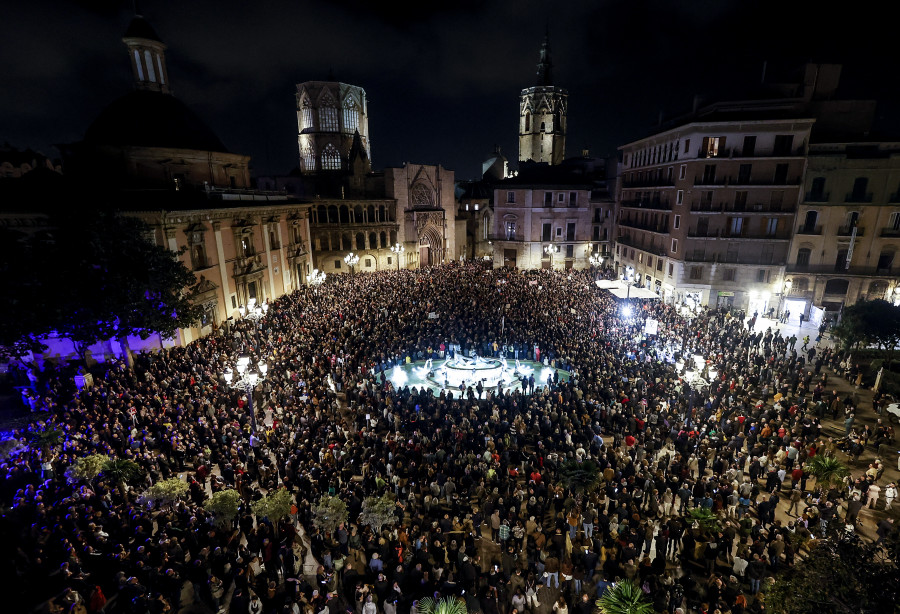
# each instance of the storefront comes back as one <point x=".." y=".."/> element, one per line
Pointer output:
<point x="724" y="299"/>
<point x="759" y="303"/>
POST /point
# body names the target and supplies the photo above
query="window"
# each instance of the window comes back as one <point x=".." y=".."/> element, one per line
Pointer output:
<point x="803" y="256"/>
<point x="390" y="260"/>
<point x="659" y="264"/>
<point x="573" y="199"/>
<point x="674" y="246"/>
<point x="682" y="171"/>
<point x="570" y="251"/>
<point x="677" y="222"/>
<point x="151" y="72"/>
<point x="527" y="121"/>
<point x="561" y="197"/>
<point x="548" y="199"/>
<point x="671" y="269"/>
<point x="712" y="146"/>
<point x="761" y="275"/>
<point x="306" y="116"/>
<point x="570" y="231"/>
<point x="783" y="144"/>
<point x="687" y="146"/>
<point x="771" y="226"/>
<point x="641" y="258"/>
<point x="740" y="200"/>
<point x="337" y="264"/>
<point x="781" y="172"/>
<point x="510" y="197"/>
<point x="696" y="272"/>
<point x="736" y="226"/>
<point x="809" y="223"/>
<point x="368" y="263"/>
<point x="860" y="184"/>
<point x="331" y="158"/>
<point x="510" y="230"/>
<point x="679" y="197"/>
<point x="650" y="261"/>
<point x="749" y="146"/>
<point x="728" y="274"/>
<point x="328" y="119"/>
<point x="598" y="215"/>
<point x="894" y="221"/>
<point x="709" y="173"/>
<point x="744" y="174"/>
<point x="351" y="117"/>
<point x="885" y="262"/>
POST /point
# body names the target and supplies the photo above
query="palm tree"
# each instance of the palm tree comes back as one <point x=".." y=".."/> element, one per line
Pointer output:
<point x="445" y="605"/>
<point x="624" y="597"/>
<point x="579" y="476"/>
<point x="122" y="471"/>
<point x="827" y="470"/>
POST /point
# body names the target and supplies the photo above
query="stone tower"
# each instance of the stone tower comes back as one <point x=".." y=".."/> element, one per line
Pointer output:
<point x="331" y="116"/>
<point x="542" y="115"/>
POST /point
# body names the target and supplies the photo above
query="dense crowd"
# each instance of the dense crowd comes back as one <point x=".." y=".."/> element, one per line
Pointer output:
<point x="481" y="511"/>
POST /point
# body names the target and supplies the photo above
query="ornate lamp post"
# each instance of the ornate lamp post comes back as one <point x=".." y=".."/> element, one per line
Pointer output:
<point x="316" y="279"/>
<point x="352" y="260"/>
<point x="245" y="378"/>
<point x="398" y="250"/>
<point x="628" y="278"/>
<point x="596" y="260"/>
<point x="550" y="250"/>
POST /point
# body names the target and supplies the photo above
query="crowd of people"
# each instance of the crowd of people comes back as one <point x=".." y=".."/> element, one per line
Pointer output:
<point x="484" y="508"/>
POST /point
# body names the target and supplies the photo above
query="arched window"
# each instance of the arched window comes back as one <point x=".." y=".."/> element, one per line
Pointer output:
<point x="371" y="213"/>
<point x="360" y="241"/>
<point x="331" y="158"/>
<point x="345" y="214"/>
<point x="358" y="216"/>
<point x="328" y="119"/>
<point x="151" y="72"/>
<point x="373" y="241"/>
<point x="543" y="127"/>
<point x="346" y="242"/>
<point x="306" y="116"/>
<point x="485" y="226"/>
<point x="381" y="214"/>
<point x="351" y="116"/>
<point x="383" y="238"/>
<point x="309" y="159"/>
<point x="332" y="215"/>
<point x="837" y="286"/>
<point x="527" y="121"/>
<point x="321" y="215"/>
<point x="803" y="256"/>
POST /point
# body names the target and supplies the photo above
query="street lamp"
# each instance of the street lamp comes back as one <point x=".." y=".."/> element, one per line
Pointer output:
<point x="398" y="250"/>
<point x="253" y="311"/>
<point x="550" y="250"/>
<point x="245" y="378"/>
<point x="595" y="260"/>
<point x="316" y="279"/>
<point x="352" y="260"/>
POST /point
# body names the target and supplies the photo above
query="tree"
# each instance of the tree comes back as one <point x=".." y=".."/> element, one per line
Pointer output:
<point x="579" y="476"/>
<point x="45" y="440"/>
<point x="165" y="492"/>
<point x="827" y="470"/>
<point x="224" y="506"/>
<point x="122" y="471"/>
<point x="96" y="277"/>
<point x="445" y="605"/>
<point x="378" y="512"/>
<point x="86" y="468"/>
<point x="842" y="575"/>
<point x="871" y="323"/>
<point x="274" y="506"/>
<point x="330" y="513"/>
<point x="624" y="597"/>
<point x="705" y="518"/>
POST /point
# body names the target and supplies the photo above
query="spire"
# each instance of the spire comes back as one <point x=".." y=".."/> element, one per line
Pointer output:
<point x="545" y="66"/>
<point x="147" y="54"/>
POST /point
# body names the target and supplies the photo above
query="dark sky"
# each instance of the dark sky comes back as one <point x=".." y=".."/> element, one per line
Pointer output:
<point x="443" y="78"/>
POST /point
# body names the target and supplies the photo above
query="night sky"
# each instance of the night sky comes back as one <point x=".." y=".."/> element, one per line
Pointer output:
<point x="442" y="78"/>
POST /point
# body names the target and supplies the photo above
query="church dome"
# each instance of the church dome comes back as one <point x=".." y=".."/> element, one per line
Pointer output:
<point x="152" y="119"/>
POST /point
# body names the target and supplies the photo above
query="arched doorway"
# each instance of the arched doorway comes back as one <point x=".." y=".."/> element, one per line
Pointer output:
<point x="431" y="247"/>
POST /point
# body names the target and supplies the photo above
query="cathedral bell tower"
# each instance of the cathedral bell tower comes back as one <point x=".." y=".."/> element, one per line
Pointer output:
<point x="542" y="115"/>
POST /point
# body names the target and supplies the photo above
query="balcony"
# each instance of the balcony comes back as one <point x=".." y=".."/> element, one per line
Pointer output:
<point x="700" y="207"/>
<point x="662" y="182"/>
<point x="730" y="153"/>
<point x="809" y="230"/>
<point x="750" y="257"/>
<point x="890" y="232"/>
<point x="657" y="228"/>
<point x="858" y="198"/>
<point x="847" y="230"/>
<point x="628" y="241"/>
<point x="760" y="208"/>
<point x="817" y="197"/>
<point x="713" y="181"/>
<point x="510" y="238"/>
<point x="834" y="269"/>
<point x="655" y="205"/>
<point x="746" y="182"/>
<point x="757" y="236"/>
<point x="703" y="233"/>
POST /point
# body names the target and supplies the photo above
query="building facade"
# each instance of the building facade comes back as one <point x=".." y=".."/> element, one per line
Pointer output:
<point x="329" y="116"/>
<point x="705" y="210"/>
<point x="847" y="231"/>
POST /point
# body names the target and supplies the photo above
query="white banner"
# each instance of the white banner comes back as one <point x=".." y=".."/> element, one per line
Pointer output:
<point x="651" y="327"/>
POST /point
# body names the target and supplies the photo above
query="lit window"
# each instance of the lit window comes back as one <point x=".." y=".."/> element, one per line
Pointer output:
<point x="351" y="117"/>
<point x="328" y="119"/>
<point x="331" y="158"/>
<point x="306" y="114"/>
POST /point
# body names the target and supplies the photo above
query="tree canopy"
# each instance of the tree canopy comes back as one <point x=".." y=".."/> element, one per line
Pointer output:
<point x="871" y="323"/>
<point x="90" y="278"/>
